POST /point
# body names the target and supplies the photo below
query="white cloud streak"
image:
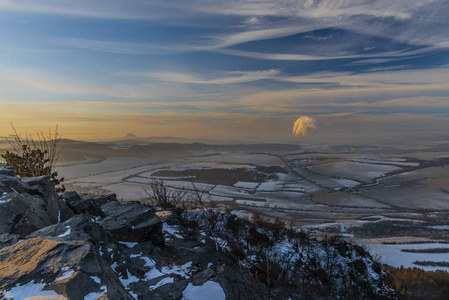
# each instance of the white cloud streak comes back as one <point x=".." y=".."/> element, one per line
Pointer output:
<point x="236" y="77"/>
<point x="122" y="47"/>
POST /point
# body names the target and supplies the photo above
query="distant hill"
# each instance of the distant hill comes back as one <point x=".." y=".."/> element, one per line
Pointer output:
<point x="130" y="136"/>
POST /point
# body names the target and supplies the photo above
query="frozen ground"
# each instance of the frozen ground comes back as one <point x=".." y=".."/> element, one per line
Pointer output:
<point x="395" y="256"/>
<point x="361" y="171"/>
<point x="317" y="190"/>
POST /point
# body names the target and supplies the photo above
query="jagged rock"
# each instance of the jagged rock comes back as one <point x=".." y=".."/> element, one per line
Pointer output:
<point x="63" y="257"/>
<point x="39" y="259"/>
<point x="6" y="170"/>
<point x="65" y="212"/>
<point x="23" y="213"/>
<point x="78" y="227"/>
<point x="70" y="196"/>
<point x="41" y="186"/>
<point x="172" y="290"/>
<point x="143" y="292"/>
<point x="90" y="204"/>
<point x="203" y="276"/>
<point x="75" y="287"/>
<point x="133" y="222"/>
<point x="9" y="184"/>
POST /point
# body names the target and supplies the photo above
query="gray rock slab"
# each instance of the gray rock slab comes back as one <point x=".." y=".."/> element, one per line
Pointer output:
<point x="10" y="184"/>
<point x="90" y="204"/>
<point x="132" y="222"/>
<point x="23" y="213"/>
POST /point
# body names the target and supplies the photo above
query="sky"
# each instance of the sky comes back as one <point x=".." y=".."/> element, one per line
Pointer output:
<point x="366" y="71"/>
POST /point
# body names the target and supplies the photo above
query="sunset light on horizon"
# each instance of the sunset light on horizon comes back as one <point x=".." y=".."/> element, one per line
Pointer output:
<point x="243" y="71"/>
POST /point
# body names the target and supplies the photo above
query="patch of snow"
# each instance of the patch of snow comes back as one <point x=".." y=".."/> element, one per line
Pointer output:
<point x="348" y="182"/>
<point x="246" y="185"/>
<point x="94" y="295"/>
<point x="171" y="230"/>
<point x="65" y="233"/>
<point x="134" y="255"/>
<point x="126" y="282"/>
<point x="153" y="273"/>
<point x="209" y="290"/>
<point x="5" y="200"/>
<point x="224" y="190"/>
<point x="440" y="227"/>
<point x="223" y="244"/>
<point x="162" y="282"/>
<point x="31" y="291"/>
<point x="269" y="186"/>
<point x="393" y="256"/>
<point x="251" y="202"/>
<point x="182" y="270"/>
<point x="66" y="274"/>
<point x="148" y="262"/>
<point x="59" y="216"/>
<point x="96" y="219"/>
<point x="390" y="161"/>
<point x="128" y="244"/>
<point x="133" y="294"/>
<point x="96" y="279"/>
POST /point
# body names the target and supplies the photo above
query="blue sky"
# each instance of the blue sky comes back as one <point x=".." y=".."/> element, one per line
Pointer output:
<point x="235" y="70"/>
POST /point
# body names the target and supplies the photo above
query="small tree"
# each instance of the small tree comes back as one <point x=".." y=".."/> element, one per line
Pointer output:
<point x="33" y="157"/>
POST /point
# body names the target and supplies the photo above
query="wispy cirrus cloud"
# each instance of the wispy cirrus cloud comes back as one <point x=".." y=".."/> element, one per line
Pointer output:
<point x="122" y="47"/>
<point x="226" y="78"/>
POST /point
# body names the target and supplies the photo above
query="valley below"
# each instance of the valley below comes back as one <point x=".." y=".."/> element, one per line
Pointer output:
<point x="393" y="202"/>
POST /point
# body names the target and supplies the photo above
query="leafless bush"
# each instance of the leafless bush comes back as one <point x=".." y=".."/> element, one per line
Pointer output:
<point x="161" y="196"/>
<point x="35" y="156"/>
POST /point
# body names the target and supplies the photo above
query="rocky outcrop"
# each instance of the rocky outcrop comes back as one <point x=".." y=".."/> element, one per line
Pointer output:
<point x="94" y="247"/>
<point x="69" y="245"/>
<point x="28" y="204"/>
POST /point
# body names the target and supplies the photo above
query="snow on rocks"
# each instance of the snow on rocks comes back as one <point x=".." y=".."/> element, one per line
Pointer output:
<point x="209" y="290"/>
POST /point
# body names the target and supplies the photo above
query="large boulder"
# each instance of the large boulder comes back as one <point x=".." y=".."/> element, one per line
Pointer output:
<point x="64" y="267"/>
<point x="63" y="258"/>
<point x="90" y="204"/>
<point x="42" y="186"/>
<point x="23" y="213"/>
<point x="132" y="222"/>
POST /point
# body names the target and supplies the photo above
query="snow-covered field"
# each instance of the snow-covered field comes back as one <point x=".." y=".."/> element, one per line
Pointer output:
<point x="316" y="190"/>
<point x="359" y="171"/>
<point x="394" y="256"/>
